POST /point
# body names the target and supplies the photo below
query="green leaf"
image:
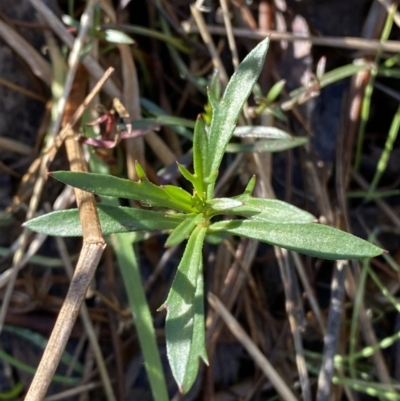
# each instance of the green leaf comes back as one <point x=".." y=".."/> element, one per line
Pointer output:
<point x="66" y="223"/>
<point x="184" y="345"/>
<point x="275" y="91"/>
<point x="188" y="175"/>
<point x="224" y="204"/>
<point x="226" y="112"/>
<point x="311" y="239"/>
<point x="248" y="191"/>
<point x="198" y="349"/>
<point x="200" y="154"/>
<point x="183" y="230"/>
<point x="115" y="36"/>
<point x="250" y="131"/>
<point x="267" y="145"/>
<point x="271" y="211"/>
<point x="144" y="191"/>
<point x="215" y="85"/>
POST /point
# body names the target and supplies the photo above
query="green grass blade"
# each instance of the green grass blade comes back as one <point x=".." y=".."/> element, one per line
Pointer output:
<point x="384" y="159"/>
<point x="127" y="262"/>
<point x="71" y="381"/>
<point x="366" y="103"/>
<point x="311" y="239"/>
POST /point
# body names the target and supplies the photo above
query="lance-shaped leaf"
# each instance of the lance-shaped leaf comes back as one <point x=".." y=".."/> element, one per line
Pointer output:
<point x="311" y="239"/>
<point x="113" y="219"/>
<point x="226" y="112"/>
<point x="144" y="191"/>
<point x="184" y="345"/>
<point x="183" y="230"/>
<point x="200" y="154"/>
<point x="278" y="145"/>
<point x="271" y="211"/>
<point x="250" y="131"/>
<point x="198" y="349"/>
<point x="224" y="204"/>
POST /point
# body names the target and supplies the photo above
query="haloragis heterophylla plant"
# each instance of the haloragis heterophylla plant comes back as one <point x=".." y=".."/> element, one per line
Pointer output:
<point x="266" y="220"/>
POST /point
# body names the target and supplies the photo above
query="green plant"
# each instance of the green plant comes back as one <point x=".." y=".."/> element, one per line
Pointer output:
<point x="192" y="214"/>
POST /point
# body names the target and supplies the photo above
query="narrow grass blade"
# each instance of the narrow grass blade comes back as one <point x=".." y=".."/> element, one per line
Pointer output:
<point x="140" y="310"/>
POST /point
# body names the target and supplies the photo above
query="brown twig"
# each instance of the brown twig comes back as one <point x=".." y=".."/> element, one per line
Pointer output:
<point x="93" y="246"/>
<point x="359" y="44"/>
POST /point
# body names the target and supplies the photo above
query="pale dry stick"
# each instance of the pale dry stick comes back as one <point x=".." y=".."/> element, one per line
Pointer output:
<point x="131" y="100"/>
<point x="358" y="44"/>
<point x="207" y="39"/>
<point x="259" y="358"/>
<point x="89" y="258"/>
<point x="88" y="325"/>
<point x="331" y="340"/>
<point x="77" y="46"/>
<point x="60" y="30"/>
<point x="233" y="283"/>
<point x="93" y="246"/>
<point x="229" y="33"/>
<point x="160" y="148"/>
<point x="130" y="97"/>
<point x="39" y="66"/>
<point x="73" y="62"/>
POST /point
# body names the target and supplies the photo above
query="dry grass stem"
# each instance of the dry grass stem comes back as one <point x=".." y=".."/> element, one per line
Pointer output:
<point x="207" y="39"/>
<point x="261" y="361"/>
<point x="365" y="45"/>
<point x="93" y="246"/>
<point x="36" y="62"/>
